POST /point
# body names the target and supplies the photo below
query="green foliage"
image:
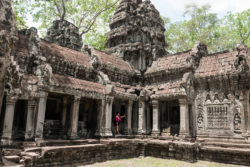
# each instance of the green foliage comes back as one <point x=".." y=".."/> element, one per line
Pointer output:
<point x="79" y="12"/>
<point x="21" y="13"/>
<point x="198" y="24"/>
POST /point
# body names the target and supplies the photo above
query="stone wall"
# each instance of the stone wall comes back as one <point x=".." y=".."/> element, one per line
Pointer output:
<point x="65" y="34"/>
<point x="8" y="32"/>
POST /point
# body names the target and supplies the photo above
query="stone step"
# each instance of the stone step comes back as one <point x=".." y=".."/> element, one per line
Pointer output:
<point x="67" y="142"/>
<point x="227" y="150"/>
<point x="227" y="145"/>
<point x="10" y="152"/>
<point x="12" y="158"/>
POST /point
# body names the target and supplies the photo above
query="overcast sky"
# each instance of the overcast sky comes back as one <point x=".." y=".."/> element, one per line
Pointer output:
<point x="174" y="8"/>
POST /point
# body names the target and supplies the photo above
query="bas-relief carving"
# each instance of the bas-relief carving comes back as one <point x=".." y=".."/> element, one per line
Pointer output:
<point x="217" y="113"/>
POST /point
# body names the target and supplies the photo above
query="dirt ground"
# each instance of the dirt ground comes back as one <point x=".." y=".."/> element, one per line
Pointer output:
<point x="155" y="162"/>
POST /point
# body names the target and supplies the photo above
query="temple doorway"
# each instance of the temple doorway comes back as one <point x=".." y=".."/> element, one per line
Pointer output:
<point x="170" y="118"/>
<point x="19" y="122"/>
<point x="121" y="107"/>
<point x="87" y="120"/>
<point x="54" y="126"/>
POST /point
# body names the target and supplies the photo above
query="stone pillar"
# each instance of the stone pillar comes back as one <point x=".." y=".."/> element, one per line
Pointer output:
<point x="64" y="112"/>
<point x="30" y="123"/>
<point x="155" y="130"/>
<point x="8" y="120"/>
<point x="108" y="116"/>
<point x="184" y="118"/>
<point x="129" y="117"/>
<point x="135" y="118"/>
<point x="148" y="120"/>
<point x="74" y="115"/>
<point x="141" y="118"/>
<point x="248" y="112"/>
<point x="100" y="118"/>
<point x="40" y="116"/>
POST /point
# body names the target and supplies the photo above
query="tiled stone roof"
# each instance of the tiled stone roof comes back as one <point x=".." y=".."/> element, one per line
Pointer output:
<point x="22" y="45"/>
<point x="70" y="82"/>
<point x="112" y="61"/>
<point x="120" y="87"/>
<point x="216" y="64"/>
<point x="168" y="90"/>
<point x="66" y="53"/>
<point x="171" y="62"/>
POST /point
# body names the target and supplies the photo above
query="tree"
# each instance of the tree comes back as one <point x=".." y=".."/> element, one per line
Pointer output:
<point x="237" y="28"/>
<point x="91" y="16"/>
<point x="200" y="25"/>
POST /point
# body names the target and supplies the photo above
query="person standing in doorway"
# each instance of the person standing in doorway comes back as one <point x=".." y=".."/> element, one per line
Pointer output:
<point x="118" y="120"/>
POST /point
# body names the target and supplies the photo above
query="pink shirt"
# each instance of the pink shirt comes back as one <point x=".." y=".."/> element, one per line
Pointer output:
<point x="118" y="119"/>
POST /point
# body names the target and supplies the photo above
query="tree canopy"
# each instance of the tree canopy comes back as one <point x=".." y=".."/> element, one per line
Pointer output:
<point x="92" y="17"/>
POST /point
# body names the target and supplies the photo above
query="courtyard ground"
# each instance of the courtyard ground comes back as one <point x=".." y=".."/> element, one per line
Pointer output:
<point x="156" y="162"/>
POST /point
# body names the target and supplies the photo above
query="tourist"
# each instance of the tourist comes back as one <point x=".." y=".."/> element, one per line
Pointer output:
<point x="118" y="119"/>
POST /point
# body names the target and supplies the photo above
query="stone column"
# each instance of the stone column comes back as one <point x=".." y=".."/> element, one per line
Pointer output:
<point x="184" y="118"/>
<point x="141" y="118"/>
<point x="148" y="120"/>
<point x="156" y="130"/>
<point x="64" y="112"/>
<point x="30" y="123"/>
<point x="74" y="115"/>
<point x="108" y="116"/>
<point x="100" y="118"/>
<point x="129" y="117"/>
<point x="40" y="116"/>
<point x="8" y="120"/>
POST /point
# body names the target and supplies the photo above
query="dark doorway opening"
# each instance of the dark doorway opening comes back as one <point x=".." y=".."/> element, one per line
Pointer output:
<point x="87" y="120"/>
<point x="170" y="117"/>
<point x="53" y="128"/>
<point x="19" y="121"/>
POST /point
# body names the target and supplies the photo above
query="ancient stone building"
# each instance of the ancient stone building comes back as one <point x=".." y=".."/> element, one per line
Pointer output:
<point x="58" y="88"/>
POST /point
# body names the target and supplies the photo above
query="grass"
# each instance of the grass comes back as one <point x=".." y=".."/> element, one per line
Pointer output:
<point x="156" y="162"/>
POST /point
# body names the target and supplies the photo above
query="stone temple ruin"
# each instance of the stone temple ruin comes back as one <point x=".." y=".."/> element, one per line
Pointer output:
<point x="60" y="97"/>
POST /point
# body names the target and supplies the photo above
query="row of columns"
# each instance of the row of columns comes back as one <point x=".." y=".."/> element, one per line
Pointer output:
<point x="34" y="129"/>
<point x="184" y="118"/>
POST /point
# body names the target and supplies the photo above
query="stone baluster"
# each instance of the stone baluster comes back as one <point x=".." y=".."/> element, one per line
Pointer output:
<point x="184" y="118"/>
<point x="30" y="123"/>
<point x="74" y="115"/>
<point x="156" y="130"/>
<point x="8" y="120"/>
<point x="40" y="116"/>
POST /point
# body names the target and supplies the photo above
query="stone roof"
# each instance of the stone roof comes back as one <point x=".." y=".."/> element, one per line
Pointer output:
<point x="170" y="63"/>
<point x="112" y="61"/>
<point x="66" y="53"/>
<point x="120" y="87"/>
<point x="216" y="64"/>
<point x="70" y="82"/>
<point x="168" y="90"/>
<point x="21" y="45"/>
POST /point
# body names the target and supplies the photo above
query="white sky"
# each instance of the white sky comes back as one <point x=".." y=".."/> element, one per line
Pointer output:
<point x="174" y="8"/>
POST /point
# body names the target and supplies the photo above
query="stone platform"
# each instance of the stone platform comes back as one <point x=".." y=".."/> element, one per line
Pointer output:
<point x="70" y="153"/>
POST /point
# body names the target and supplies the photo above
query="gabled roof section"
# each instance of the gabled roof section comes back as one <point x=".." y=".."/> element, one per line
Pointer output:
<point x="216" y="64"/>
<point x="65" y="53"/>
<point x="112" y="61"/>
<point x="170" y="63"/>
<point x="168" y="90"/>
<point x="78" y="84"/>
